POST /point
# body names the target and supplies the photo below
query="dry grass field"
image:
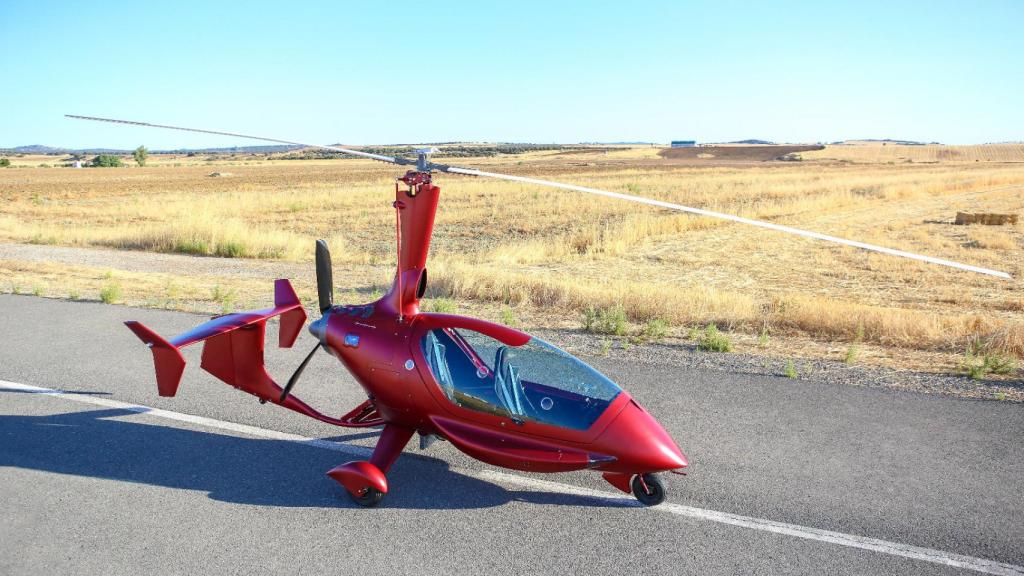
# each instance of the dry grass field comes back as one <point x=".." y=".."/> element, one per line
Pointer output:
<point x="873" y="152"/>
<point x="541" y="257"/>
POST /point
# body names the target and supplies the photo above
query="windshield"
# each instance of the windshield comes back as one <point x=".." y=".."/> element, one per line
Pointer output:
<point x="535" y="381"/>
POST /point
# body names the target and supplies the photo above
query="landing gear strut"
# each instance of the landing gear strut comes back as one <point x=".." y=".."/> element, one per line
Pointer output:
<point x="648" y="489"/>
<point x="364" y="480"/>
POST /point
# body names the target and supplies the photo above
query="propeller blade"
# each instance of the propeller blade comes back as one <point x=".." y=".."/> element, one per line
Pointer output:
<point x="428" y="166"/>
<point x="295" y="376"/>
<point x="324" y="276"/>
<point x="732" y="218"/>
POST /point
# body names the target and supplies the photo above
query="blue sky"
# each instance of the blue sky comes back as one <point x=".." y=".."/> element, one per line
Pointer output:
<point x="383" y="72"/>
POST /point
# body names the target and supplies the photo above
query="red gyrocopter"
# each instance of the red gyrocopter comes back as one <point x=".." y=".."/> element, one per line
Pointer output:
<point x="496" y="393"/>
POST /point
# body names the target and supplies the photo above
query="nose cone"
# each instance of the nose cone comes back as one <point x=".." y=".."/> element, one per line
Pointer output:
<point x="639" y="443"/>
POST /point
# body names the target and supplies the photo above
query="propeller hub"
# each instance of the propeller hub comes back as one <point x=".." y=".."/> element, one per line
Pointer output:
<point x="318" y="328"/>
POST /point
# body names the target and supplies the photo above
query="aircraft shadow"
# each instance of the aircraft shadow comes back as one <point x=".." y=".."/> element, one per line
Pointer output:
<point x="238" y="470"/>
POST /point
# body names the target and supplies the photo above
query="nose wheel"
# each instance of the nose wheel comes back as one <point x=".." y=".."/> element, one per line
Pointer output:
<point x="367" y="497"/>
<point x="648" y="489"/>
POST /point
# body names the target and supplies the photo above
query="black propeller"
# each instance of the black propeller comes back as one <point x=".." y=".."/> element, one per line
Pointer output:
<point x="325" y="292"/>
<point x="297" y="373"/>
<point x="324" y="276"/>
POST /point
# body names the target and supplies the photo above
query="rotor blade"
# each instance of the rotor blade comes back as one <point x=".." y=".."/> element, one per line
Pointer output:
<point x="295" y="376"/>
<point x="391" y="159"/>
<point x="732" y="218"/>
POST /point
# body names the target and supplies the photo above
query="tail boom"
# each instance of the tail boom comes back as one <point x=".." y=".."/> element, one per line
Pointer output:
<point x="233" y="352"/>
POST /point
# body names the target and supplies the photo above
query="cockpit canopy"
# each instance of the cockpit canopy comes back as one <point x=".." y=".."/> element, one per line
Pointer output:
<point x="534" y="382"/>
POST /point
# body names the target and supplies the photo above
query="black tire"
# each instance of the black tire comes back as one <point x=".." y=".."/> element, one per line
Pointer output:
<point x="369" y="498"/>
<point x="655" y="492"/>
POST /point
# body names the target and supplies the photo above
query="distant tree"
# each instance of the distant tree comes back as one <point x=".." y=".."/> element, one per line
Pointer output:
<point x="106" y="161"/>
<point x="5" y="162"/>
<point x="140" y="155"/>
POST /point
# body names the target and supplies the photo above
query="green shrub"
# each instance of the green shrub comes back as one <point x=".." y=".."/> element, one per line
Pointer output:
<point x="5" y="162"/>
<point x="140" y="154"/>
<point x="226" y="298"/>
<point x="192" y="246"/>
<point x="589" y="319"/>
<point x="106" y="161"/>
<point x="610" y="320"/>
<point x="654" y="330"/>
<point x="110" y="293"/>
<point x="508" y="317"/>
<point x="790" y="370"/>
<point x="851" y="352"/>
<point x="714" y="341"/>
<point x="230" y="250"/>
<point x="980" y="361"/>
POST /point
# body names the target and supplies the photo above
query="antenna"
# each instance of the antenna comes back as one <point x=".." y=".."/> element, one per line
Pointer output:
<point x="423" y="164"/>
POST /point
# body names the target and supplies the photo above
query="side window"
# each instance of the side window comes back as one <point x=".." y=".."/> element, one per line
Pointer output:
<point x="463" y="371"/>
<point x="535" y="381"/>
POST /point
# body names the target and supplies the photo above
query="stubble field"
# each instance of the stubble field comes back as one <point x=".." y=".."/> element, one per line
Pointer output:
<point x="543" y="258"/>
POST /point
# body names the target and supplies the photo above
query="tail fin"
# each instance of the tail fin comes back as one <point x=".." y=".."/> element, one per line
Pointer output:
<point x="293" y="319"/>
<point x="170" y="364"/>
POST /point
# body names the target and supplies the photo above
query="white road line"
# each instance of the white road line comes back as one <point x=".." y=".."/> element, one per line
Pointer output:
<point x="507" y="479"/>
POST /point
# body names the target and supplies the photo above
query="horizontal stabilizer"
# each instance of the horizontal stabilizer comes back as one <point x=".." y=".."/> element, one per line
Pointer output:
<point x="169" y="362"/>
<point x="286" y="305"/>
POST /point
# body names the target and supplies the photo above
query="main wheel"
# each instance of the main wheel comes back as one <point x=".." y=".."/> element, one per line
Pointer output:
<point x="369" y="498"/>
<point x="648" y="489"/>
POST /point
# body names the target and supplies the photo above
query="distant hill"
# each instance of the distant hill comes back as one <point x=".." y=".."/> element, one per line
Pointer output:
<point x="36" y="149"/>
<point x="448" y="149"/>
<point x="50" y="150"/>
<point x="271" y="149"/>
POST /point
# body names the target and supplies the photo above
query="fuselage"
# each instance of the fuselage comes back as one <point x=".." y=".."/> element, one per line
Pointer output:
<point x="493" y="391"/>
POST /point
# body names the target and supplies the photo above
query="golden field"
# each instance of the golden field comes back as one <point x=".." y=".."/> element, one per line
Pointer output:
<point x="544" y="256"/>
<point x="872" y="152"/>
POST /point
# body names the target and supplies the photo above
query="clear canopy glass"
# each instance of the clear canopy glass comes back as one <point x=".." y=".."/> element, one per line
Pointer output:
<point x="533" y="382"/>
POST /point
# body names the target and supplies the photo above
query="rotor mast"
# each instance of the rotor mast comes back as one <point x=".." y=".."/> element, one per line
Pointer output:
<point x="415" y="208"/>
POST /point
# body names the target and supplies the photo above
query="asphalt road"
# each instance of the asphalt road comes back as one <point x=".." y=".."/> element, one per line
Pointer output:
<point x="88" y="488"/>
